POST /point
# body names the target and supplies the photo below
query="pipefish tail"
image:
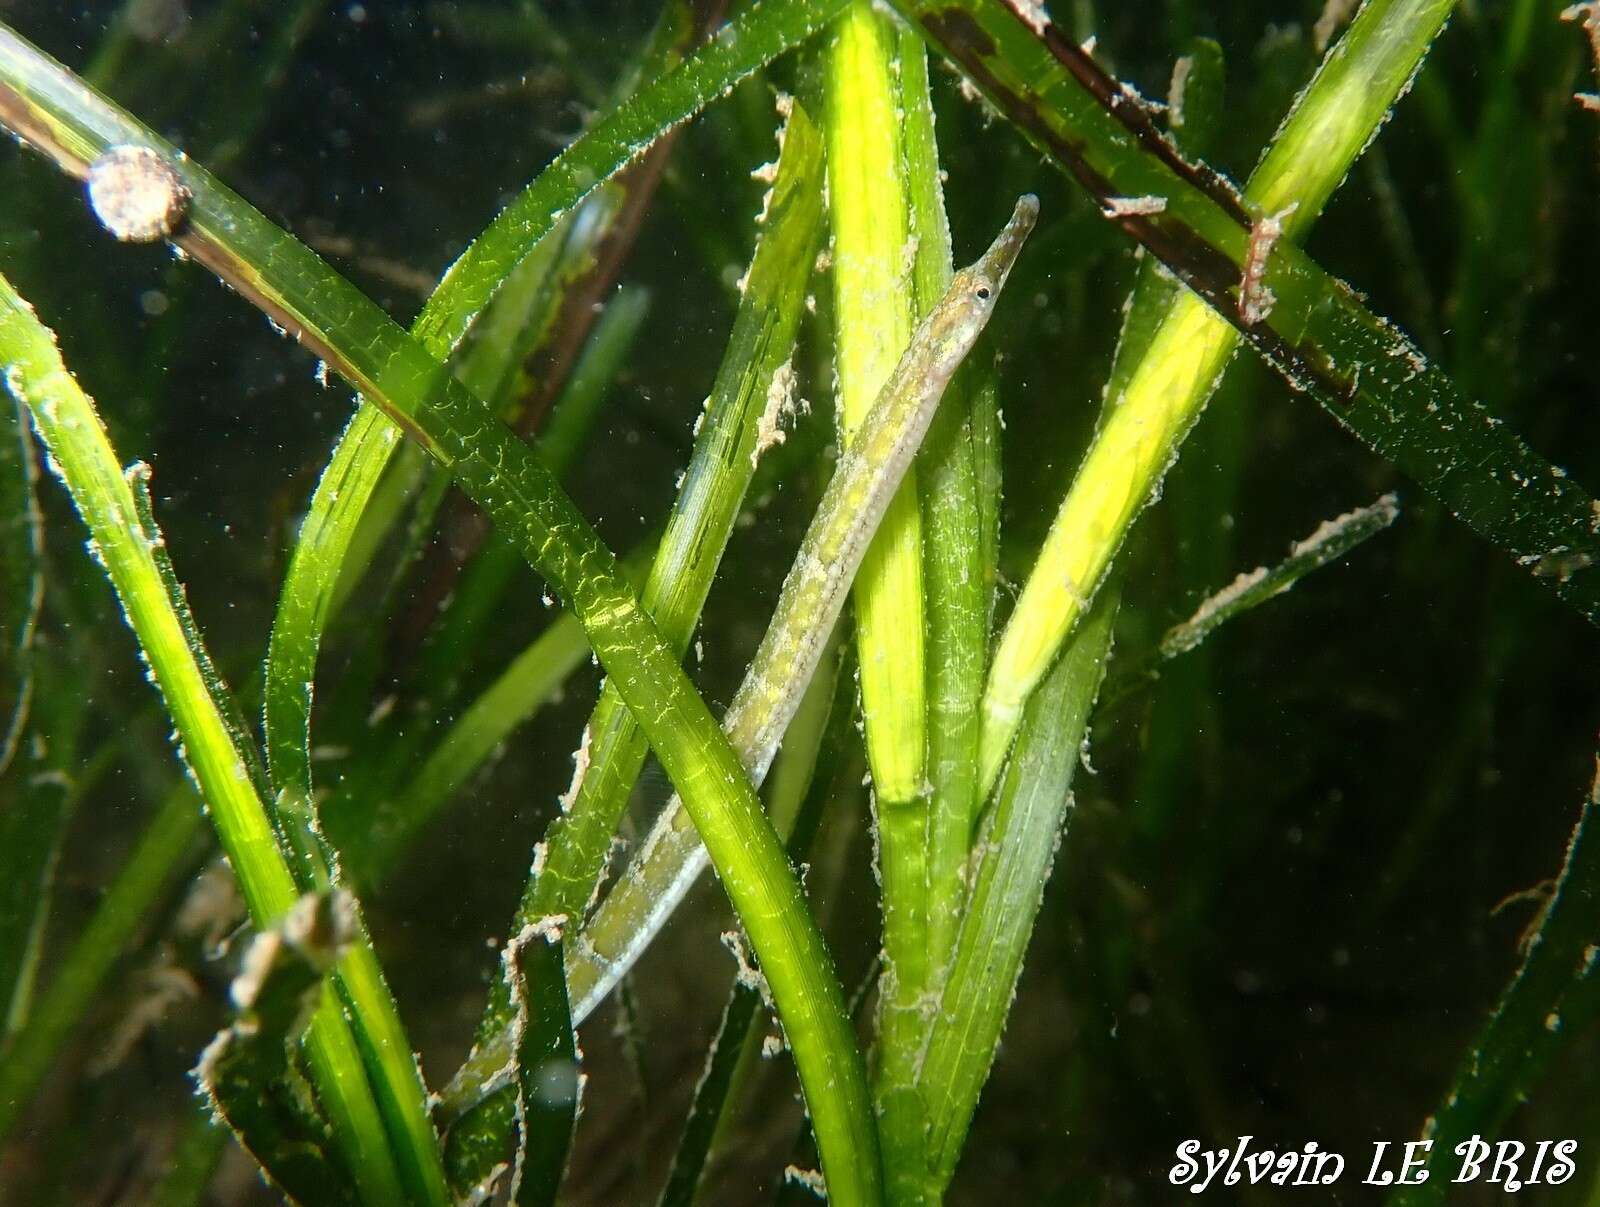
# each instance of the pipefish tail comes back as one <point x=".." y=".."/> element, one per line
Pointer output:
<point x="864" y="481"/>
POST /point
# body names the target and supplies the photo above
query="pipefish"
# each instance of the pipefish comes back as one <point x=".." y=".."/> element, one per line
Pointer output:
<point x="864" y="482"/>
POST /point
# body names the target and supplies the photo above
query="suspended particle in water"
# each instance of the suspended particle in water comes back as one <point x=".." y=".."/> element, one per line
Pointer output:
<point x="137" y="195"/>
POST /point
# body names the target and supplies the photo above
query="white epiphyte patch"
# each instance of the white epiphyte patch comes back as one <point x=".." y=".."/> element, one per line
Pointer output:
<point x="780" y="406"/>
<point x="1121" y="207"/>
<point x="137" y="194"/>
<point x="1587" y="15"/>
<point x="1255" y="299"/>
<point x="1032" y="14"/>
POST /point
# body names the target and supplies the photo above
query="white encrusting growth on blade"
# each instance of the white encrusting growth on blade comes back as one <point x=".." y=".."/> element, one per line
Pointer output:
<point x="1255" y="299"/>
<point x="1031" y="13"/>
<point x="748" y="974"/>
<point x="811" y="1179"/>
<point x="767" y="173"/>
<point x="551" y="928"/>
<point x="780" y="406"/>
<point x="1379" y="514"/>
<point x="1120" y="207"/>
<point x="580" y="768"/>
<point x="1587" y="15"/>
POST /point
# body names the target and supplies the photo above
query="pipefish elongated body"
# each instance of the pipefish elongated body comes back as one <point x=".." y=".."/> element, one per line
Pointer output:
<point x="864" y="482"/>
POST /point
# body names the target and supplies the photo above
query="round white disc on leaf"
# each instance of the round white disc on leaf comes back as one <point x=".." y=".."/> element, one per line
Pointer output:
<point x="136" y="194"/>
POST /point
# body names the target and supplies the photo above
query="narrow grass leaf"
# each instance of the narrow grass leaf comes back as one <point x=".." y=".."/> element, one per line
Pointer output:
<point x="937" y="673"/>
<point x="1553" y="998"/>
<point x="21" y="575"/>
<point x="547" y="1079"/>
<point x="959" y="527"/>
<point x="1331" y="541"/>
<point x="809" y="770"/>
<point x="113" y="505"/>
<point x="1013" y="855"/>
<point x="868" y="206"/>
<point x="727" y="1051"/>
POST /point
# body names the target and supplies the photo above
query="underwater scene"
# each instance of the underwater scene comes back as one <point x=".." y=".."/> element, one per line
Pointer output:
<point x="775" y="601"/>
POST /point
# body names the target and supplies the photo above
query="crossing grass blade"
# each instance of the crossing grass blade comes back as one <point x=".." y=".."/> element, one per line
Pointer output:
<point x="809" y="768"/>
<point x="1014" y="852"/>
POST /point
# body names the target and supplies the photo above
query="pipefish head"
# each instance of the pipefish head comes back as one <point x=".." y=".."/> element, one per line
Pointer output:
<point x="974" y="290"/>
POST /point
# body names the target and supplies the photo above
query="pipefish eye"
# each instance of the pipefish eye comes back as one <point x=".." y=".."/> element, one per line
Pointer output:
<point x="984" y="293"/>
